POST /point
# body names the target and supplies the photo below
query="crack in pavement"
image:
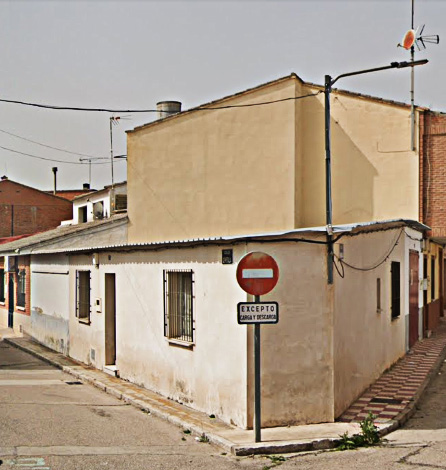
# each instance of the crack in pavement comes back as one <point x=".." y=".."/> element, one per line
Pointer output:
<point x="405" y="459"/>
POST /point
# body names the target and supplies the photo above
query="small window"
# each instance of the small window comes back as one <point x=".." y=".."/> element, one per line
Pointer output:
<point x="2" y="285"/>
<point x="395" y="289"/>
<point x="178" y="305"/>
<point x="83" y="296"/>
<point x="21" y="289"/>
<point x="82" y="214"/>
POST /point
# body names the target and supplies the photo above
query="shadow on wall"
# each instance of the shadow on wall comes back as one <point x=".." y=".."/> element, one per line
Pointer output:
<point x="352" y="173"/>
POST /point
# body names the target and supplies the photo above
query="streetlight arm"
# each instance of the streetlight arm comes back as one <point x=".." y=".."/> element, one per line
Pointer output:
<point x="393" y="65"/>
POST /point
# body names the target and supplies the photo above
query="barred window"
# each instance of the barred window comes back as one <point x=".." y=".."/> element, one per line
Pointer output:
<point x="21" y="289"/>
<point x="83" y="296"/>
<point x="178" y="305"/>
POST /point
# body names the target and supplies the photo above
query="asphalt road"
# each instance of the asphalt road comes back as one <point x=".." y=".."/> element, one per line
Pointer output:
<point x="49" y="421"/>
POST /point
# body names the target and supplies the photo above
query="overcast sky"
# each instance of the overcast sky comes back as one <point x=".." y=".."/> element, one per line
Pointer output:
<point x="132" y="54"/>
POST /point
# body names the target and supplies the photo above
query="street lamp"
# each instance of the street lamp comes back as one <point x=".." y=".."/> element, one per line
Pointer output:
<point x="329" y="82"/>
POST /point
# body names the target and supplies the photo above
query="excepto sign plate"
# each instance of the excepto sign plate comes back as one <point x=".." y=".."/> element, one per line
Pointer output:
<point x="257" y="312"/>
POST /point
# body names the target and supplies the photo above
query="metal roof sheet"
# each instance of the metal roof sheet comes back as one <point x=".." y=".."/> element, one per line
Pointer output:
<point x="361" y="227"/>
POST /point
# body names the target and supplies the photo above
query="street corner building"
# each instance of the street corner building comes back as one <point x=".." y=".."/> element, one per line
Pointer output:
<point x="147" y="288"/>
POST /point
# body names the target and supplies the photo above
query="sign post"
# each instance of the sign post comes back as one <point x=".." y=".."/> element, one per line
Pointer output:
<point x="257" y="274"/>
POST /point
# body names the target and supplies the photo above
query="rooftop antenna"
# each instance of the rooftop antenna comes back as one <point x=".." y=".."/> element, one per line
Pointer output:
<point x="411" y="39"/>
<point x="114" y="121"/>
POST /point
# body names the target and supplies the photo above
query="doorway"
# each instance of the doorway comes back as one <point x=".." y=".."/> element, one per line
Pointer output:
<point x="413" y="297"/>
<point x="110" y="319"/>
<point x="11" y="301"/>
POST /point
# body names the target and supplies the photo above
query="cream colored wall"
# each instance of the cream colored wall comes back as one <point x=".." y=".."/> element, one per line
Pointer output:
<point x="84" y="337"/>
<point x="297" y="353"/>
<point x="368" y="341"/>
<point x="374" y="172"/>
<point x="214" y="173"/>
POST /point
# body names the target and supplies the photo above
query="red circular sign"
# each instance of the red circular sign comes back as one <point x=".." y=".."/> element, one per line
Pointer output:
<point x="257" y="273"/>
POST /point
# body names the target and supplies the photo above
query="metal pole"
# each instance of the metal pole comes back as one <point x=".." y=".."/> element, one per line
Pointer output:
<point x="111" y="151"/>
<point x="328" y="200"/>
<point x="412" y="90"/>
<point x="257" y="384"/>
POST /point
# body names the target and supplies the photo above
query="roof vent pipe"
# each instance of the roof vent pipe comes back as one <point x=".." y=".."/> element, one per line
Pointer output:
<point x="167" y="108"/>
<point x="55" y="179"/>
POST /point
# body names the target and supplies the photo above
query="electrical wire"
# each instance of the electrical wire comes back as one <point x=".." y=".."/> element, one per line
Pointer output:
<point x="48" y="146"/>
<point x="107" y="110"/>
<point x="371" y="268"/>
<point x="53" y="159"/>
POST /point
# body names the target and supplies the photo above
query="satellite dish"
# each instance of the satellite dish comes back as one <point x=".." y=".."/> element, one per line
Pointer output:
<point x="408" y="39"/>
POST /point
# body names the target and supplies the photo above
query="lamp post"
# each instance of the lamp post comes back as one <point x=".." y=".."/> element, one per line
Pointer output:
<point x="329" y="82"/>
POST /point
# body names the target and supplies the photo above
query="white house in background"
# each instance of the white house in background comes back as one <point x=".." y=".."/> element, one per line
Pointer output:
<point x="99" y="204"/>
<point x="163" y="314"/>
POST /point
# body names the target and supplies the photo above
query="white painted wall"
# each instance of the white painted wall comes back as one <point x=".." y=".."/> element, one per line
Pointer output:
<point x="50" y="303"/>
<point x="367" y="341"/>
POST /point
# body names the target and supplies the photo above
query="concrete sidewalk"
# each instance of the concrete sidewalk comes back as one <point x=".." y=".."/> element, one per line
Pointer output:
<point x="429" y="353"/>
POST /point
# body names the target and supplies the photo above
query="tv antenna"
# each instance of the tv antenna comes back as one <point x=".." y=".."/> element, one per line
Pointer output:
<point x="411" y="39"/>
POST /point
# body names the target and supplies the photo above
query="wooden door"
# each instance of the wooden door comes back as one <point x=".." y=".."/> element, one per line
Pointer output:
<point x="413" y="297"/>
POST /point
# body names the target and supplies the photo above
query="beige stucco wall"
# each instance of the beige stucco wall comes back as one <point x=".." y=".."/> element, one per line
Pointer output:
<point x="297" y="353"/>
<point x="368" y="341"/>
<point x="216" y="172"/>
<point x="374" y="172"/>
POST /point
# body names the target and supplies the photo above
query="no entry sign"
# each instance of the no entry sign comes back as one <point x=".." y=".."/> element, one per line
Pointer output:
<point x="257" y="273"/>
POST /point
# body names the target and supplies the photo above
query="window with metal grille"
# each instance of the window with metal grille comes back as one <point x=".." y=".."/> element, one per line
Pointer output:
<point x="2" y="285"/>
<point x="83" y="296"/>
<point x="178" y="305"/>
<point x="21" y="289"/>
<point x="395" y="289"/>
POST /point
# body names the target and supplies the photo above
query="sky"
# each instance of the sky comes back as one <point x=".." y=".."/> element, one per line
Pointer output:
<point x="128" y="54"/>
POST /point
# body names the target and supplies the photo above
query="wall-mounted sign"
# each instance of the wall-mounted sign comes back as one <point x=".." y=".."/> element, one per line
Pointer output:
<point x="226" y="256"/>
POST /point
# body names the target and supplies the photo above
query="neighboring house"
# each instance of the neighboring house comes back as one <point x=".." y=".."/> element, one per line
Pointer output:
<point x="237" y="166"/>
<point x="100" y="204"/>
<point x="17" y="309"/>
<point x="25" y="210"/>
<point x="163" y="314"/>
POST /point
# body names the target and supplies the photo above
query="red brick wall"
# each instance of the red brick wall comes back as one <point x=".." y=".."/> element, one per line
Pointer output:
<point x="25" y="210"/>
<point x="433" y="172"/>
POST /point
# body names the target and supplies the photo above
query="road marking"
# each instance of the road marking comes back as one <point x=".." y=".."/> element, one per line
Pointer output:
<point x="33" y="463"/>
<point x="86" y="450"/>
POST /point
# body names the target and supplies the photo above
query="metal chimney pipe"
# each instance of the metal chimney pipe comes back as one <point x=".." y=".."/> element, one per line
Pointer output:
<point x="55" y="179"/>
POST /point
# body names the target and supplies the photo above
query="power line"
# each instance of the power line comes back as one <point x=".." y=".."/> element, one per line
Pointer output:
<point x="47" y="146"/>
<point x="106" y="110"/>
<point x="50" y="159"/>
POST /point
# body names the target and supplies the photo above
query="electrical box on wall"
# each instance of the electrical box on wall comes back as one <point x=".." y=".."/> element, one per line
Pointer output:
<point x="98" y="304"/>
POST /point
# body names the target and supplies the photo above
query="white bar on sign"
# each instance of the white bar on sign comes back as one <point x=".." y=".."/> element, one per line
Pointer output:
<point x="257" y="273"/>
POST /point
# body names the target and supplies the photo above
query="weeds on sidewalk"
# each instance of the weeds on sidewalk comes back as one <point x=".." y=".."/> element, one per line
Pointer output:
<point x="275" y="461"/>
<point x="369" y="435"/>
